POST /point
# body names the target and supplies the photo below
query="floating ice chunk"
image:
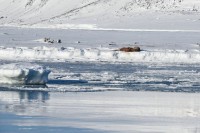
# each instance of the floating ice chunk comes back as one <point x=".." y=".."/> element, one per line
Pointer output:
<point x="23" y="73"/>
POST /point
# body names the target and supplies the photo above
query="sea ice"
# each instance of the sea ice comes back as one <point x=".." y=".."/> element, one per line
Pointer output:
<point x="23" y="73"/>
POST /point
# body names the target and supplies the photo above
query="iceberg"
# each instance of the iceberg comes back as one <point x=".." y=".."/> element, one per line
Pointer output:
<point x="23" y="73"/>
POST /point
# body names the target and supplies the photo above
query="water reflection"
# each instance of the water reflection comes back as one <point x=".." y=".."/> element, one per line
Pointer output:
<point x="117" y="111"/>
<point x="38" y="96"/>
<point x="22" y="102"/>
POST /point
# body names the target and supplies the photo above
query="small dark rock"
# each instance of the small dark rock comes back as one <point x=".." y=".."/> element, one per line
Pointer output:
<point x="59" y="41"/>
<point x="111" y="44"/>
<point x="51" y="41"/>
<point x="62" y="48"/>
<point x="46" y="39"/>
<point x="136" y="43"/>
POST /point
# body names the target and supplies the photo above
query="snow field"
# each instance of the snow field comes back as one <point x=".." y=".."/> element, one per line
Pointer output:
<point x="91" y="14"/>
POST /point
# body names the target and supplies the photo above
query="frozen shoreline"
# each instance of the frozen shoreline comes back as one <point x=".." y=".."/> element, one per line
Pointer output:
<point x="90" y="45"/>
<point x="97" y="54"/>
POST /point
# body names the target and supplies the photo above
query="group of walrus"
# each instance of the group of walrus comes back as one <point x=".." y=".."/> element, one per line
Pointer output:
<point x="129" y="49"/>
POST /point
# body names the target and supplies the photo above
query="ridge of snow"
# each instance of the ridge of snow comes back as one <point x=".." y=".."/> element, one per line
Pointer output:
<point x="97" y="54"/>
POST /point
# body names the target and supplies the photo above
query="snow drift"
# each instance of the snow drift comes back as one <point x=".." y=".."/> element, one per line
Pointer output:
<point x="23" y="73"/>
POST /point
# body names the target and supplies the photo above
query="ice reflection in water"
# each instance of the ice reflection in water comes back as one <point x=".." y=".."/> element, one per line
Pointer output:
<point x="22" y="102"/>
<point x="110" y="111"/>
<point x="29" y="111"/>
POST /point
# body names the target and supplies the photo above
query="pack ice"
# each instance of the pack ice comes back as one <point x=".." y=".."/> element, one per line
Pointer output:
<point x="23" y="73"/>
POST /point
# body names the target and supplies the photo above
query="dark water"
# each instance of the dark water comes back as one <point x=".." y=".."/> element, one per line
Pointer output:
<point x="123" y="76"/>
<point x="93" y="76"/>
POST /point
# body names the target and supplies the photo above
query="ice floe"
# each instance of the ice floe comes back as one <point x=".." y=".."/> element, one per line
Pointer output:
<point x="23" y="73"/>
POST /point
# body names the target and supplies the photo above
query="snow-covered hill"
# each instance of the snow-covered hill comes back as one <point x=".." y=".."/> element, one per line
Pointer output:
<point x="99" y="13"/>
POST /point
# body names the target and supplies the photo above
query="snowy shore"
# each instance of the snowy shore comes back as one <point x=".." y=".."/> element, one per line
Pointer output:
<point x="96" y="54"/>
<point x="90" y="45"/>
